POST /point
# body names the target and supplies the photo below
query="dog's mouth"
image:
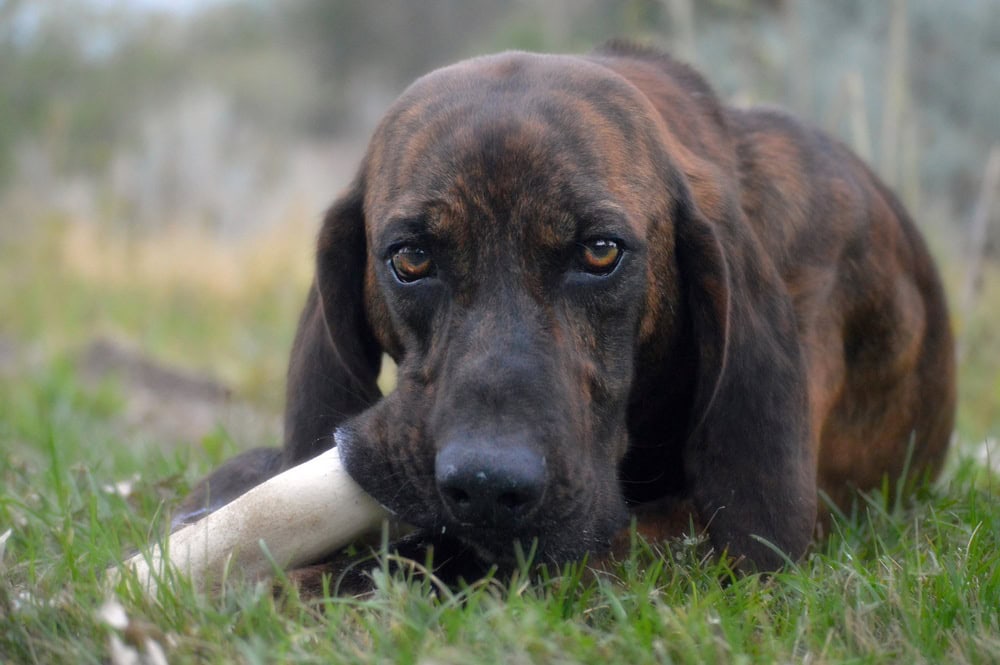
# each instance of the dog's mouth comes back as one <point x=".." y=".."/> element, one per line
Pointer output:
<point x="497" y="546"/>
<point x="501" y="519"/>
<point x="500" y="546"/>
<point x="556" y="535"/>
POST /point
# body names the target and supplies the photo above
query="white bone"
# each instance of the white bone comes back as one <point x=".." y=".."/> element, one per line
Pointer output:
<point x="299" y="515"/>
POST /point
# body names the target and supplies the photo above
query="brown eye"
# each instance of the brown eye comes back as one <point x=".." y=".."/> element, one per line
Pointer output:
<point x="411" y="264"/>
<point x="600" y="256"/>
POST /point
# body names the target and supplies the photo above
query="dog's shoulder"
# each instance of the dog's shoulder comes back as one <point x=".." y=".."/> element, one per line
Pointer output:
<point x="668" y="82"/>
<point x="684" y="74"/>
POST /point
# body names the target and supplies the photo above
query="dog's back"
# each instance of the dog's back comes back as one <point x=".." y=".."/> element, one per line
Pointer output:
<point x="788" y="330"/>
<point x="869" y="303"/>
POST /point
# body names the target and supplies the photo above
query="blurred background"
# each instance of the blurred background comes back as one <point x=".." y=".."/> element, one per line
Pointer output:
<point x="164" y="165"/>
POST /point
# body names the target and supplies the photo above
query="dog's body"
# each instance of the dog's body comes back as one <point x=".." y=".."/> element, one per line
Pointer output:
<point x="603" y="288"/>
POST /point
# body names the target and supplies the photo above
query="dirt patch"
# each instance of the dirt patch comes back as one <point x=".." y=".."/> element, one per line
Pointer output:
<point x="104" y="357"/>
<point x="171" y="404"/>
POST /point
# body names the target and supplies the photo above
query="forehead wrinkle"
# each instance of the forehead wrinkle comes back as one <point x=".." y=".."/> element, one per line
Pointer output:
<point x="611" y="147"/>
<point x="489" y="160"/>
<point x="392" y="137"/>
<point x="427" y="132"/>
<point x="536" y="194"/>
<point x="523" y="164"/>
<point x="608" y="140"/>
<point x="416" y="159"/>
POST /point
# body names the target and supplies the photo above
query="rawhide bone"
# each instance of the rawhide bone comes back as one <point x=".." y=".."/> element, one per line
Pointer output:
<point x="289" y="520"/>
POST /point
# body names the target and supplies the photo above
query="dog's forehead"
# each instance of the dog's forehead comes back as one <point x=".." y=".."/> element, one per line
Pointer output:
<point x="527" y="134"/>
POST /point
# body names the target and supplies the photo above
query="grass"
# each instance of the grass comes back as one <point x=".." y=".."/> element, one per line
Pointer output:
<point x="189" y="299"/>
<point x="918" y="582"/>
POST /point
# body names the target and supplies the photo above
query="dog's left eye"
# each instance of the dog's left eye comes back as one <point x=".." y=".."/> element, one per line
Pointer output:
<point x="600" y="256"/>
<point x="411" y="263"/>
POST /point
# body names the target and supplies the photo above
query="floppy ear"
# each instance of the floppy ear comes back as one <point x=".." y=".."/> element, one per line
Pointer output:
<point x="335" y="359"/>
<point x="748" y="458"/>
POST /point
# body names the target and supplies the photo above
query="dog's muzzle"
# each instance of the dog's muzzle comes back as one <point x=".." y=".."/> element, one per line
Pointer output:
<point x="490" y="485"/>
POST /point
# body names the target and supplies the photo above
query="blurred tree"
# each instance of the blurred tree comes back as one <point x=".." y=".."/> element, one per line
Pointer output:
<point x="389" y="42"/>
<point x="71" y="76"/>
<point x="78" y="77"/>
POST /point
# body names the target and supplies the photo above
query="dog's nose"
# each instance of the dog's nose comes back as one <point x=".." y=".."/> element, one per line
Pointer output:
<point x="490" y="486"/>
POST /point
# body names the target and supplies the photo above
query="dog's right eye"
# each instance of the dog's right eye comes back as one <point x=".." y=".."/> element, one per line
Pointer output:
<point x="600" y="256"/>
<point x="411" y="264"/>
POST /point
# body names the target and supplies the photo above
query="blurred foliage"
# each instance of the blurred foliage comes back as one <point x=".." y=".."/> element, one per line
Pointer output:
<point x="62" y="86"/>
<point x="78" y="76"/>
<point x="161" y="177"/>
<point x="186" y="298"/>
<point x="237" y="116"/>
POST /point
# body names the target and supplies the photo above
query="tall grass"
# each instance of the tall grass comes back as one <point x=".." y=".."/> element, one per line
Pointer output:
<point x="916" y="582"/>
<point x="188" y="298"/>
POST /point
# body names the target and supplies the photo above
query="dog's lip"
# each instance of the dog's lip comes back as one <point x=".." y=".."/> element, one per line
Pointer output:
<point x="494" y="545"/>
<point x="499" y="546"/>
<point x="343" y="440"/>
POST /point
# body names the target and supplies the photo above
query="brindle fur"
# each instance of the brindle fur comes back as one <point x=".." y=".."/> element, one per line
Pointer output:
<point x="775" y="328"/>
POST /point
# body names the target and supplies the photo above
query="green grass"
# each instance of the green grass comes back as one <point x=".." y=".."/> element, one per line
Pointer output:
<point x="979" y="374"/>
<point x="917" y="583"/>
<point x="912" y="583"/>
<point x="62" y="287"/>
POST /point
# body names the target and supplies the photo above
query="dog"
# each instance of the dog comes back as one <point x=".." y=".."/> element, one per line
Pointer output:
<point x="605" y="290"/>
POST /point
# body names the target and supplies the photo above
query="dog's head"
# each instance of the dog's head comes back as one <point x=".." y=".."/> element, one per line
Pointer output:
<point x="510" y="242"/>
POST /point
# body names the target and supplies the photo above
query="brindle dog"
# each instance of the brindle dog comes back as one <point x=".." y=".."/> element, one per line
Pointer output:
<point x="604" y="289"/>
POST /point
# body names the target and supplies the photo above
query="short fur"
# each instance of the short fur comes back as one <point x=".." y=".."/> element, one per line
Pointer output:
<point x="775" y="327"/>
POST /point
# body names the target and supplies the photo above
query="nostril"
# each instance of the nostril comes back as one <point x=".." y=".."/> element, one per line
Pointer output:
<point x="489" y="486"/>
<point x="458" y="496"/>
<point x="514" y="501"/>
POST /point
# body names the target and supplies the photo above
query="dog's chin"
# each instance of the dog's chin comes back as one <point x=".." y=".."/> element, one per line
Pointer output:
<point x="507" y="550"/>
<point x="503" y="550"/>
<point x="551" y="540"/>
<point x="479" y="553"/>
